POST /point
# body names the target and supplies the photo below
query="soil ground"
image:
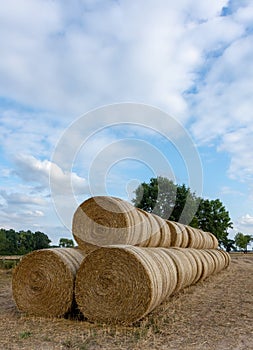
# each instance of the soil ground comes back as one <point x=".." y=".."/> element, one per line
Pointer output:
<point x="216" y="314"/>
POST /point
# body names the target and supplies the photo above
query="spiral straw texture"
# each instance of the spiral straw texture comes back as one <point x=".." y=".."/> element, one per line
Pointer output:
<point x="121" y="284"/>
<point x="102" y="221"/>
<point x="43" y="282"/>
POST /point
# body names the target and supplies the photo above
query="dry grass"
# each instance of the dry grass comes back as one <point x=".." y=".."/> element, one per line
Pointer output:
<point x="216" y="314"/>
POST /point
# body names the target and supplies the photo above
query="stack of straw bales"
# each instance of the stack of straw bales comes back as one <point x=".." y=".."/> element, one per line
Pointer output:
<point x="102" y="221"/>
<point x="127" y="263"/>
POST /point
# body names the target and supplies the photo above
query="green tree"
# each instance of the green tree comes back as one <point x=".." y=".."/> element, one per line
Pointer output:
<point x="157" y="196"/>
<point x="162" y="197"/>
<point x="25" y="242"/>
<point x="212" y="216"/>
<point x="3" y="242"/>
<point x="11" y="241"/>
<point x="176" y="202"/>
<point x="242" y="241"/>
<point x="41" y="240"/>
<point x="22" y="242"/>
<point x="185" y="207"/>
<point x="229" y="244"/>
<point x="66" y="243"/>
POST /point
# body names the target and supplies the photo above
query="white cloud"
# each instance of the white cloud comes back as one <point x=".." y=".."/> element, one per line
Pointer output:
<point x="16" y="198"/>
<point x="30" y="169"/>
<point x="71" y="58"/>
<point x="244" y="14"/>
<point x="226" y="190"/>
<point x="35" y="213"/>
<point x="244" y="224"/>
<point x="237" y="143"/>
<point x="247" y="220"/>
<point x="222" y="104"/>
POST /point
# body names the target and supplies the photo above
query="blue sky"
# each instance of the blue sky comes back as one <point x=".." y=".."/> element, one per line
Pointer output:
<point x="190" y="59"/>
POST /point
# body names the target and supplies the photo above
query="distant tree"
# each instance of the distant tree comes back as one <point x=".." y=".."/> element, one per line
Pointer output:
<point x="229" y="244"/>
<point x="242" y="241"/>
<point x="213" y="217"/>
<point x="176" y="202"/>
<point x="3" y="242"/>
<point x="9" y="242"/>
<point x="66" y="243"/>
<point x="25" y="242"/>
<point x="185" y="207"/>
<point x="22" y="242"/>
<point x="41" y="240"/>
<point x="157" y="196"/>
<point x="162" y="197"/>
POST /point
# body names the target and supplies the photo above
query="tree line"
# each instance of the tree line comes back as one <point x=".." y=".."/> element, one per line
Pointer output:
<point x="178" y="203"/>
<point x="23" y="242"/>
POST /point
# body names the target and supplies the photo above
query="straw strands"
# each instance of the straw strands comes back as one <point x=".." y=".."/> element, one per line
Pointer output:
<point x="43" y="282"/>
<point x="102" y="221"/>
<point x="121" y="284"/>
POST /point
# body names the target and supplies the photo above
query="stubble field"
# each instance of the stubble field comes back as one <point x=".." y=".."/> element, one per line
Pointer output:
<point x="216" y="314"/>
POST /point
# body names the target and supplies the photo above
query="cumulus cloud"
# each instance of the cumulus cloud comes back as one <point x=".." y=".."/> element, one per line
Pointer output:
<point x="30" y="169"/>
<point x="247" y="220"/>
<point x="36" y="213"/>
<point x="237" y="144"/>
<point x="221" y="103"/>
<point x="244" y="224"/>
<point x="230" y="191"/>
<point x="72" y="59"/>
<point x="17" y="198"/>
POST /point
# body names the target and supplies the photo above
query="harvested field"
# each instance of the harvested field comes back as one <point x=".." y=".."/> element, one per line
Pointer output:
<point x="216" y="314"/>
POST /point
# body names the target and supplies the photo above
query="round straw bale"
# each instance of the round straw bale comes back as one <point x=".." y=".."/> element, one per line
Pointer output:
<point x="43" y="281"/>
<point x="184" y="268"/>
<point x="208" y="241"/>
<point x="207" y="264"/>
<point x="176" y="233"/>
<point x="185" y="235"/>
<point x="194" y="238"/>
<point x="197" y="258"/>
<point x="202" y="241"/>
<point x="220" y="258"/>
<point x="154" y="229"/>
<point x="217" y="261"/>
<point x="226" y="256"/>
<point x="192" y="262"/>
<point x="214" y="240"/>
<point x="165" y="234"/>
<point x="121" y="284"/>
<point x="103" y="220"/>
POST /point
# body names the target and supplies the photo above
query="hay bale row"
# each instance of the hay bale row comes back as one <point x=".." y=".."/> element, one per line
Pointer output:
<point x="112" y="284"/>
<point x="185" y="236"/>
<point x="43" y="282"/>
<point x="122" y="284"/>
<point x="126" y="278"/>
<point x="102" y="221"/>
